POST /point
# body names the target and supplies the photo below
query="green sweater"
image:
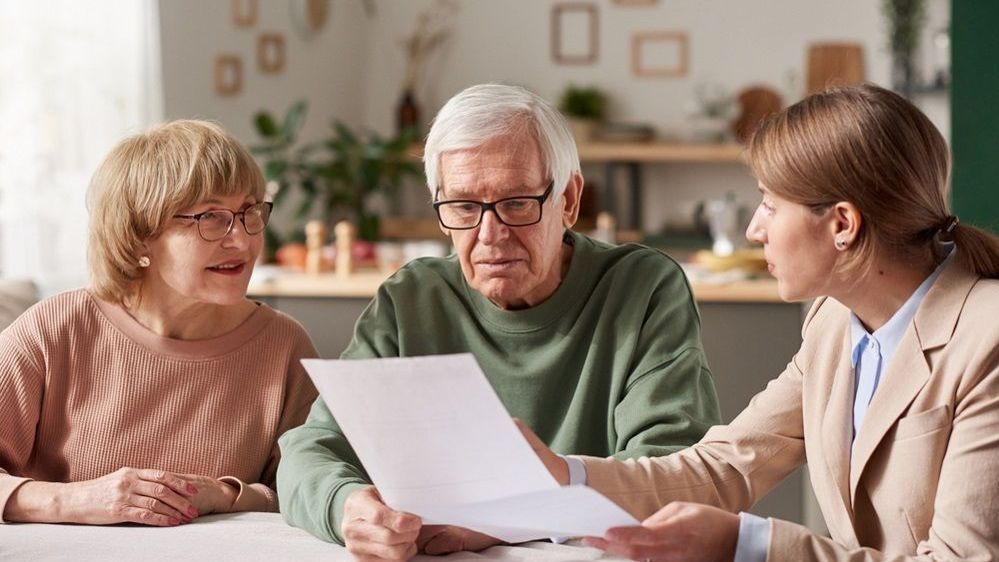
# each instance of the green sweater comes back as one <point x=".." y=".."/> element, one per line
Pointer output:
<point x="610" y="364"/>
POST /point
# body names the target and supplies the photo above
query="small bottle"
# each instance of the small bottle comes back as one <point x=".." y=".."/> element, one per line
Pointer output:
<point x="345" y="234"/>
<point x="605" y="228"/>
<point x="315" y="239"/>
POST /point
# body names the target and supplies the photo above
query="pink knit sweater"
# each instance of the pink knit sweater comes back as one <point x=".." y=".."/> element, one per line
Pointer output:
<point x="86" y="390"/>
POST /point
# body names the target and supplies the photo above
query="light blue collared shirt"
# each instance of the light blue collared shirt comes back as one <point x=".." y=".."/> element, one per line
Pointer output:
<point x="871" y="354"/>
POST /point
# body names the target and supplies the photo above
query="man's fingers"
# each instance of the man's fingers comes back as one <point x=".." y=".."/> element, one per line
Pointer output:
<point x="366" y="532"/>
<point x="398" y="521"/>
<point x="367" y="550"/>
<point x="428" y="532"/>
<point x="444" y="543"/>
<point x="168" y="496"/>
<point x="145" y="517"/>
<point x="176" y="483"/>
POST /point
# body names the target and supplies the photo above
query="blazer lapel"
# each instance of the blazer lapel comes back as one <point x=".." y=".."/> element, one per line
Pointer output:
<point x="906" y="374"/>
<point x="908" y="370"/>
<point x="837" y="429"/>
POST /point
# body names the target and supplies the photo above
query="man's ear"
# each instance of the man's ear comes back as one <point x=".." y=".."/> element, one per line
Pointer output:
<point x="572" y="195"/>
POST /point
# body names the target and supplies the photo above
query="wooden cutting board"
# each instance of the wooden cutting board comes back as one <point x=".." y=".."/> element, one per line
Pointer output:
<point x="833" y="64"/>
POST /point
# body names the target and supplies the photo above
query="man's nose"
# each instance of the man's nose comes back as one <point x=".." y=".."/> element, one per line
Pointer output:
<point x="491" y="229"/>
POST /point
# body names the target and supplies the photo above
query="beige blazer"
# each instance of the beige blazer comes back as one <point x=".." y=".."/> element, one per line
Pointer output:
<point x="922" y="482"/>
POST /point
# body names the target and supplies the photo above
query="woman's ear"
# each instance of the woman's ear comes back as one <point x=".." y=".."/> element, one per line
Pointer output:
<point x="845" y="224"/>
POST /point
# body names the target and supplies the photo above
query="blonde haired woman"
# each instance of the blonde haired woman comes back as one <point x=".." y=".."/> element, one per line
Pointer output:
<point x="157" y="394"/>
<point x="893" y="398"/>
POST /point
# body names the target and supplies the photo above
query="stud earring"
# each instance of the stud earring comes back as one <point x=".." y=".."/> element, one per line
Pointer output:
<point x="841" y="244"/>
<point x="144" y="261"/>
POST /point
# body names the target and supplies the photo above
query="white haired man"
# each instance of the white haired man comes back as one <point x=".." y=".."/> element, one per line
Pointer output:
<point x="595" y="347"/>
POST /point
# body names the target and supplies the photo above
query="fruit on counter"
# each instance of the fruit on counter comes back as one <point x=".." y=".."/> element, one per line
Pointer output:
<point x="292" y="254"/>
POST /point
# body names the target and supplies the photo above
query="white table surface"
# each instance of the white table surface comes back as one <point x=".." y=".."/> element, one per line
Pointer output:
<point x="240" y="536"/>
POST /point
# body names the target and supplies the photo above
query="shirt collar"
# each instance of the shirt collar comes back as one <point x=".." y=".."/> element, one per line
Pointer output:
<point x="891" y="333"/>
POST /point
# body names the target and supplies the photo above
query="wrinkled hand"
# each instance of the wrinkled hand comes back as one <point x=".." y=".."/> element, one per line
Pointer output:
<point x="130" y="495"/>
<point x="554" y="463"/>
<point x="445" y="539"/>
<point x="374" y="531"/>
<point x="680" y="531"/>
<point x="212" y="496"/>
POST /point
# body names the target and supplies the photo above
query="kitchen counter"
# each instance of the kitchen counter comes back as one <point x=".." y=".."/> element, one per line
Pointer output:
<point x="364" y="284"/>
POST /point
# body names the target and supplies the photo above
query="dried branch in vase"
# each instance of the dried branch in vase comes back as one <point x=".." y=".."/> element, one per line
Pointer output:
<point x="432" y="30"/>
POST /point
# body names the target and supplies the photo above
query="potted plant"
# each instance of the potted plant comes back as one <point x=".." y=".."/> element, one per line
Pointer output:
<point x="586" y="108"/>
<point x="337" y="175"/>
<point x="905" y="23"/>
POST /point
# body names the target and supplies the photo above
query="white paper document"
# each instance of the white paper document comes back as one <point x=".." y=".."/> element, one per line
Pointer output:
<point x="437" y="442"/>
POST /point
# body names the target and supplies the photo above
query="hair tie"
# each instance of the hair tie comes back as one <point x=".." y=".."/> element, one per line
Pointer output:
<point x="949" y="225"/>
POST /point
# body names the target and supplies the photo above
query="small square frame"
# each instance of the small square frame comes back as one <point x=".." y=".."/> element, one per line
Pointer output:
<point x="559" y="11"/>
<point x="228" y="75"/>
<point x="244" y="12"/>
<point x="270" y="53"/>
<point x="640" y="39"/>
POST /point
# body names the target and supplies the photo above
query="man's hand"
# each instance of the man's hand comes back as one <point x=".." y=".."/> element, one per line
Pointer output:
<point x="445" y="539"/>
<point x="679" y="531"/>
<point x="374" y="531"/>
<point x="554" y="463"/>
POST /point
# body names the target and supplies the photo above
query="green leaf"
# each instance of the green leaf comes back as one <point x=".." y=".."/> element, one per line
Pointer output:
<point x="293" y="120"/>
<point x="266" y="125"/>
<point x="275" y="169"/>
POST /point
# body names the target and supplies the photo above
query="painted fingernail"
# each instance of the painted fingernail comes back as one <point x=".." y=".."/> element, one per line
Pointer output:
<point x="191" y="489"/>
<point x="192" y="511"/>
<point x="174" y="521"/>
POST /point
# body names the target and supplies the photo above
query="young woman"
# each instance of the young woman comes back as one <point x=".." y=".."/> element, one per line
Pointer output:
<point x="893" y="398"/>
<point x="157" y="394"/>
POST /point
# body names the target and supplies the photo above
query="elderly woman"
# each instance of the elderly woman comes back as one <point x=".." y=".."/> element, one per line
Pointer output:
<point x="893" y="399"/>
<point x="597" y="346"/>
<point x="157" y="394"/>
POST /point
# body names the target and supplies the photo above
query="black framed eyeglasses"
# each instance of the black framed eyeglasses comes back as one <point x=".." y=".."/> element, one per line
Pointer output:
<point x="465" y="214"/>
<point x="216" y="224"/>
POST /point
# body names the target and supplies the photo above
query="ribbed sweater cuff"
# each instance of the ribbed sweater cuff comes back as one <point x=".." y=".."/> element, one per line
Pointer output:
<point x="251" y="497"/>
<point x="8" y="484"/>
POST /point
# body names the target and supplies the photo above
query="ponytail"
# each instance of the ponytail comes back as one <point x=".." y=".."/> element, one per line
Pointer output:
<point x="977" y="250"/>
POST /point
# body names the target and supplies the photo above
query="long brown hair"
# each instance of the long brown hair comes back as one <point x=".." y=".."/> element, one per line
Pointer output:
<point x="871" y="147"/>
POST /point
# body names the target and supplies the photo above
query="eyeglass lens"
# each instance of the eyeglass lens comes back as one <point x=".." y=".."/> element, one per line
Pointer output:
<point x="214" y="225"/>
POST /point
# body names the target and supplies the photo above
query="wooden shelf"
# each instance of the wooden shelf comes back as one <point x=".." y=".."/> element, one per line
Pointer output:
<point x="660" y="152"/>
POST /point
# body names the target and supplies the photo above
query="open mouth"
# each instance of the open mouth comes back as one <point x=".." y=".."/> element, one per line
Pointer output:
<point x="231" y="268"/>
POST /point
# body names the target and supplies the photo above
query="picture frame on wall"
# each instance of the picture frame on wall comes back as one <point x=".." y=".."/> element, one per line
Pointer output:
<point x="574" y="33"/>
<point x="660" y="54"/>
<point x="270" y="53"/>
<point x="228" y="75"/>
<point x="244" y="12"/>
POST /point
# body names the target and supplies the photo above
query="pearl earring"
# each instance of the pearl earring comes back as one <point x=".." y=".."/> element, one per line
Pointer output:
<point x="841" y="244"/>
<point x="144" y="261"/>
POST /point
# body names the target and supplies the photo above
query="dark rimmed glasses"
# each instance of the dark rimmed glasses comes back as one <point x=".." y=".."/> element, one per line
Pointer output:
<point x="216" y="224"/>
<point x="465" y="214"/>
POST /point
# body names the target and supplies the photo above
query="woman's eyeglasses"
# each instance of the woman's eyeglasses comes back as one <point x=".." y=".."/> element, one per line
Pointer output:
<point x="216" y="224"/>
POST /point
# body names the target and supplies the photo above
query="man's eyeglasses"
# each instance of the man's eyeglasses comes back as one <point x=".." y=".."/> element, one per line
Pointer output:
<point x="465" y="214"/>
<point x="216" y="224"/>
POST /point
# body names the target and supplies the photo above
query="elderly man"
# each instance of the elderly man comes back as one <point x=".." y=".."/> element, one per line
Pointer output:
<point x="595" y="347"/>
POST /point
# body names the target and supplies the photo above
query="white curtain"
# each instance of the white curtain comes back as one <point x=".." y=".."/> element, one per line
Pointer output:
<point x="75" y="77"/>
